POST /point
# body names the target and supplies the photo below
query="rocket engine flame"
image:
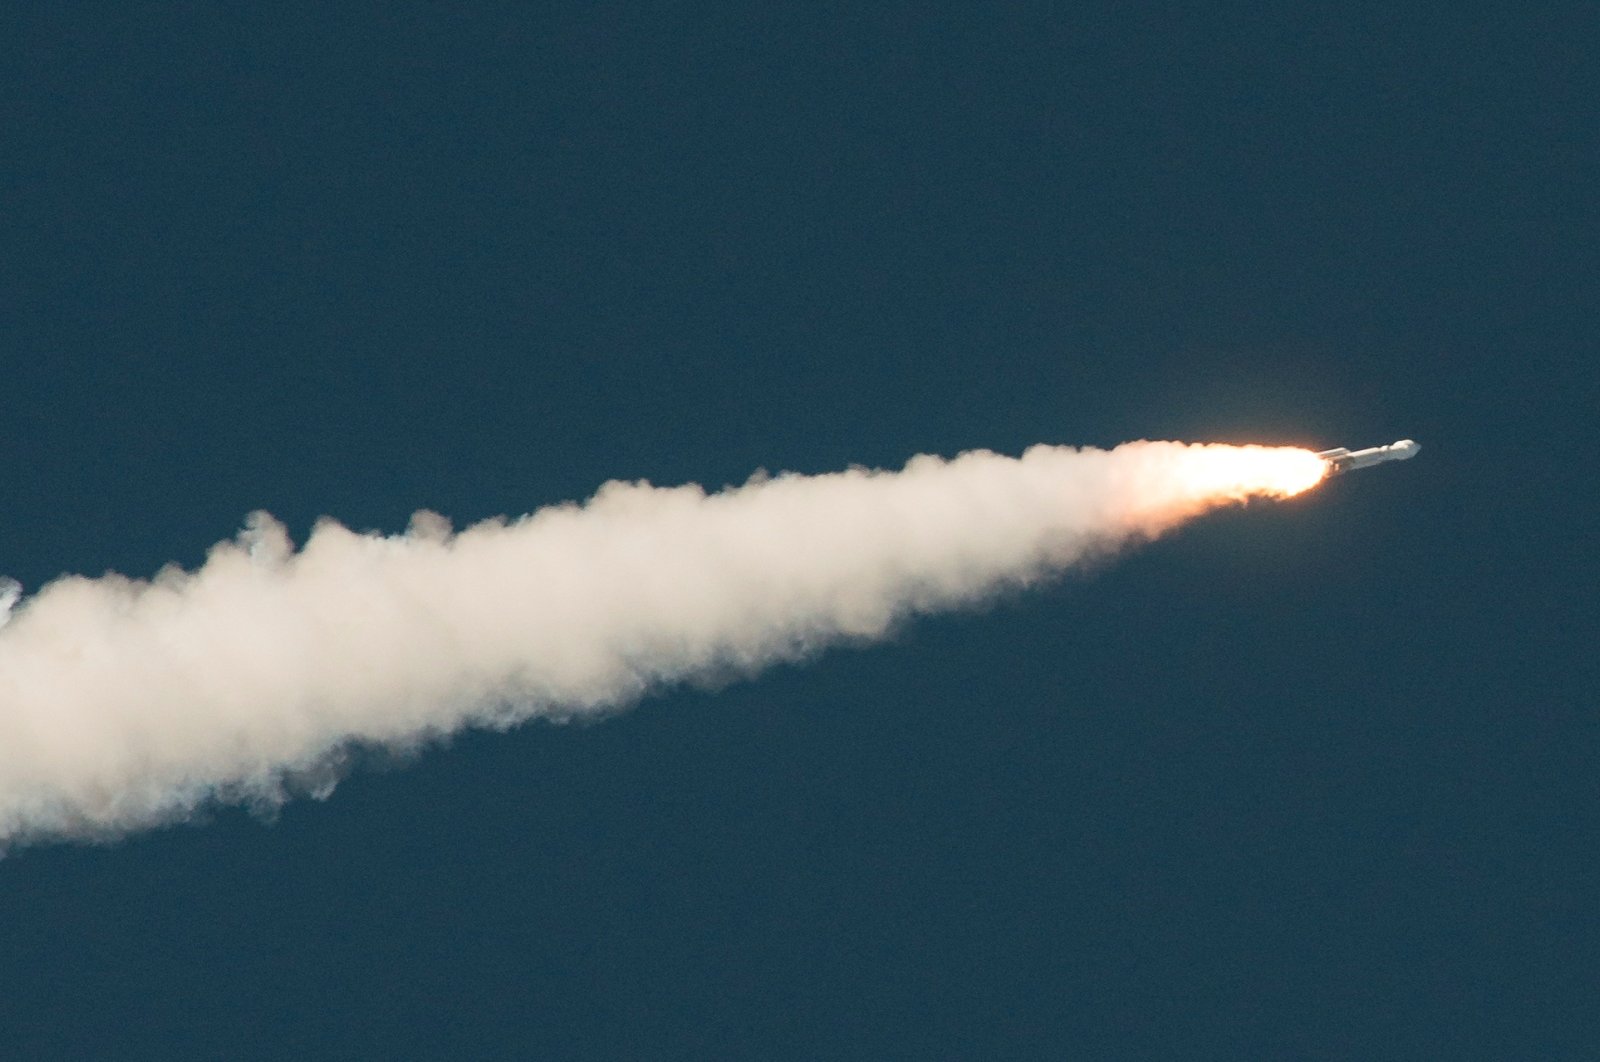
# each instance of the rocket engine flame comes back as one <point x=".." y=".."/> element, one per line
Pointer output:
<point x="1242" y="471"/>
<point x="126" y="703"/>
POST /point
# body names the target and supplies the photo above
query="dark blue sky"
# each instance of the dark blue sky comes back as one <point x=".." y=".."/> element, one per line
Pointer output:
<point x="1316" y="780"/>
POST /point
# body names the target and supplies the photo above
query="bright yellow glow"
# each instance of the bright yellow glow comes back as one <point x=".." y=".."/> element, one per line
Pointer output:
<point x="1243" y="471"/>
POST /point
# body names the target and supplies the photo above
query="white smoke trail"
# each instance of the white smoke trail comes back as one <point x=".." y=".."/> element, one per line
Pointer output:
<point x="10" y="594"/>
<point x="126" y="703"/>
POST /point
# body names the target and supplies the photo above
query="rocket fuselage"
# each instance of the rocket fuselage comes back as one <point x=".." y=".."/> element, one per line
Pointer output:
<point x="1343" y="460"/>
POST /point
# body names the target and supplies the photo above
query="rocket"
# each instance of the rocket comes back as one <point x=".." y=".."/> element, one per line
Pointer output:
<point x="1342" y="460"/>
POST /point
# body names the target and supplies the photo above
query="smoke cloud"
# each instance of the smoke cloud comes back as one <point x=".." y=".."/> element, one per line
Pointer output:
<point x="128" y="703"/>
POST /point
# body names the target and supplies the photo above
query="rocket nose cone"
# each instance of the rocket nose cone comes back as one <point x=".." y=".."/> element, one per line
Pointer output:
<point x="1406" y="448"/>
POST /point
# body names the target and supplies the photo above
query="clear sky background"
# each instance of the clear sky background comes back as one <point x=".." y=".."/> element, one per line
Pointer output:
<point x="1310" y="780"/>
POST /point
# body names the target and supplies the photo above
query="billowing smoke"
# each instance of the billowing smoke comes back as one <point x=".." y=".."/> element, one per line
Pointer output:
<point x="126" y="703"/>
<point x="10" y="594"/>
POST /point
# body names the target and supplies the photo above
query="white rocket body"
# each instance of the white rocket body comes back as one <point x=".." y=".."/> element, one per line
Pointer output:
<point x="1343" y="460"/>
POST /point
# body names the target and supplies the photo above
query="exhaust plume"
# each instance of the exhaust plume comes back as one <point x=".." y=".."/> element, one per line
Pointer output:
<point x="127" y="703"/>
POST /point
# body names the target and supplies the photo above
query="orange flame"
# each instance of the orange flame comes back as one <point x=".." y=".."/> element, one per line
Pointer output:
<point x="1247" y="471"/>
